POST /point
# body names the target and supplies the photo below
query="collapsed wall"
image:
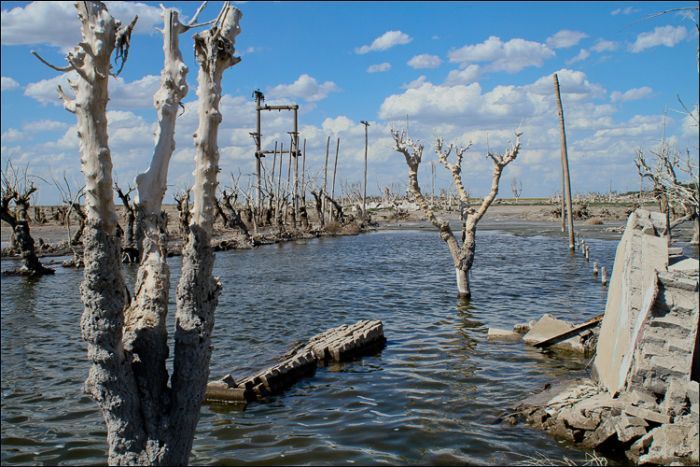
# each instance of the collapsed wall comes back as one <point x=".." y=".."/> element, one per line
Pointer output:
<point x="643" y="398"/>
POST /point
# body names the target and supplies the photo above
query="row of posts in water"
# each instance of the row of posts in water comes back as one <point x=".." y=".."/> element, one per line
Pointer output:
<point x="602" y="271"/>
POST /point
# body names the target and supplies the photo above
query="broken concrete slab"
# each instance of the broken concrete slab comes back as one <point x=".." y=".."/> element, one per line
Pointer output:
<point x="553" y="331"/>
<point x="546" y="327"/>
<point x="495" y="334"/>
<point x="646" y="414"/>
<point x="629" y="427"/>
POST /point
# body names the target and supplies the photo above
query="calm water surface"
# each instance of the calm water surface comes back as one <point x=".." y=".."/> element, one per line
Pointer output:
<point x="434" y="395"/>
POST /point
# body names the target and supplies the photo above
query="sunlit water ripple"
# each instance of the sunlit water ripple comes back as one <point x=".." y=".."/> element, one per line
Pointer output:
<point x="433" y="395"/>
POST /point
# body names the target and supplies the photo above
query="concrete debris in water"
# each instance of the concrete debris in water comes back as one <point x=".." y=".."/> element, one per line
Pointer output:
<point x="550" y="331"/>
<point x="644" y="399"/>
<point x="338" y="344"/>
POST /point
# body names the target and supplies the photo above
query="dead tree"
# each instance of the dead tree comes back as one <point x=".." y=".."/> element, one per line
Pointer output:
<point x="182" y="200"/>
<point x="130" y="251"/>
<point x="77" y="208"/>
<point x="150" y="420"/>
<point x="318" y="197"/>
<point x="14" y="209"/>
<point x="462" y="255"/>
<point x="516" y="186"/>
<point x="231" y="217"/>
<point x="664" y="175"/>
<point x="337" y="213"/>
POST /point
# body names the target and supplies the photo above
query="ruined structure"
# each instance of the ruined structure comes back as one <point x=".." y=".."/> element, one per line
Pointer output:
<point x="643" y="398"/>
<point x="337" y="344"/>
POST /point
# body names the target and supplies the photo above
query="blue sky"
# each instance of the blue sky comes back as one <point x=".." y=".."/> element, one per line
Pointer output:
<point x="466" y="71"/>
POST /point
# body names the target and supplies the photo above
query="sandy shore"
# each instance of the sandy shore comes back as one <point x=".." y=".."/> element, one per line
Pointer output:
<point x="525" y="219"/>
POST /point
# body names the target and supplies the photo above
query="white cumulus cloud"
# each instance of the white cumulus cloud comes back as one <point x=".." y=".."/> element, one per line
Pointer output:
<point x="122" y="95"/>
<point x="57" y="24"/>
<point x="424" y="61"/>
<point x="511" y="56"/>
<point x="305" y="87"/>
<point x="582" y="55"/>
<point x="386" y="41"/>
<point x="466" y="75"/>
<point x="565" y="38"/>
<point x="631" y="95"/>
<point x="379" y="67"/>
<point x="604" y="46"/>
<point x="668" y="36"/>
<point x="7" y="83"/>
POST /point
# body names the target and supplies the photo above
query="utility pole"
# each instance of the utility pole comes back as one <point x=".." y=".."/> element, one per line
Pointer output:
<point x="565" y="165"/>
<point x="364" y="197"/>
<point x="296" y="163"/>
<point x="259" y="98"/>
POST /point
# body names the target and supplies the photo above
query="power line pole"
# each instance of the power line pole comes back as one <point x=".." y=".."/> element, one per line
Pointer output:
<point x="364" y="197"/>
<point x="565" y="165"/>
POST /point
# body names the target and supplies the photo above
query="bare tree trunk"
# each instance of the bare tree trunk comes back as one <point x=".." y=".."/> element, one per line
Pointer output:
<point x="184" y="212"/>
<point x="19" y="221"/>
<point x="130" y="250"/>
<point x="318" y="197"/>
<point x="148" y="423"/>
<point x="198" y="290"/>
<point x="103" y="291"/>
<point x="462" y="256"/>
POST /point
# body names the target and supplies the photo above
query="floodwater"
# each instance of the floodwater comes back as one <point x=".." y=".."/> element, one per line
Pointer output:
<point x="434" y="395"/>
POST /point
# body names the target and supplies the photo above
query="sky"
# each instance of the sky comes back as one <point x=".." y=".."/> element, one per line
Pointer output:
<point x="469" y="72"/>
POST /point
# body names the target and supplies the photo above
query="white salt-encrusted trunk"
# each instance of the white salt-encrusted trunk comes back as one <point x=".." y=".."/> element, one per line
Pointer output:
<point x="198" y="290"/>
<point x="148" y="423"/>
<point x="145" y="332"/>
<point x="103" y="291"/>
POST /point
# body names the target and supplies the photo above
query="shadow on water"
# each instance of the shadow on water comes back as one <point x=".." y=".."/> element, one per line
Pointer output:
<point x="433" y="395"/>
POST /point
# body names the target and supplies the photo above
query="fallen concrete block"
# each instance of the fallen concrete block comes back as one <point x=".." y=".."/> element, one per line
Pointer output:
<point x="646" y="414"/>
<point x="629" y="427"/>
<point x="546" y="327"/>
<point x="605" y="431"/>
<point x="495" y="334"/>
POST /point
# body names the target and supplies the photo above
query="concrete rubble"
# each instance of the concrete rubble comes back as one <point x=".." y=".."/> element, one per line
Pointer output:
<point x="546" y="329"/>
<point x="642" y="401"/>
<point x="338" y="344"/>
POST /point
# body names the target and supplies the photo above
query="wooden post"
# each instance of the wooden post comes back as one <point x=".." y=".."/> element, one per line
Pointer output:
<point x="325" y="173"/>
<point x="603" y="276"/>
<point x="565" y="166"/>
<point x="258" y="146"/>
<point x="562" y="204"/>
<point x="335" y="168"/>
<point x="303" y="175"/>
<point x="279" y="181"/>
<point x="432" y="191"/>
<point x="364" y="196"/>
<point x="296" y="163"/>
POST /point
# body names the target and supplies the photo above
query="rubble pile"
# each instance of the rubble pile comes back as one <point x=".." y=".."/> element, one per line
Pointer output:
<point x="643" y="398"/>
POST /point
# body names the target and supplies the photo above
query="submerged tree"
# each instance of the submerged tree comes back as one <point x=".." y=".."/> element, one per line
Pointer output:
<point x="149" y="422"/>
<point x="15" y="195"/>
<point x="462" y="252"/>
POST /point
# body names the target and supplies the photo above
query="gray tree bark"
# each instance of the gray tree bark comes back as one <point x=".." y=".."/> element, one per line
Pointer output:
<point x="148" y="423"/>
<point x="198" y="290"/>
